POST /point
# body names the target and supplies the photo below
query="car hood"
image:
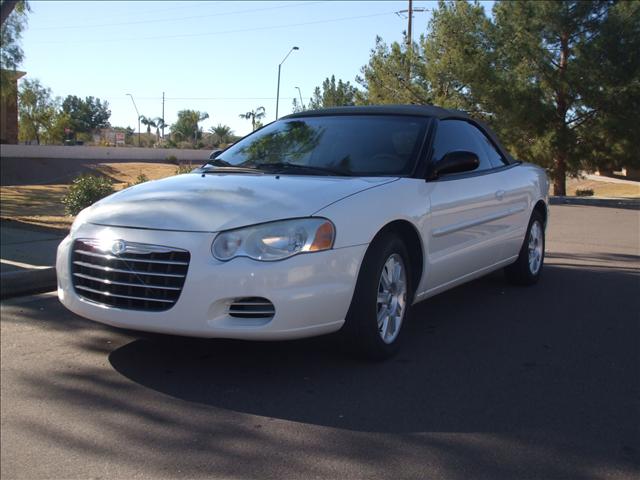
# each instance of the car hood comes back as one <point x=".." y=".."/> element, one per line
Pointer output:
<point x="214" y="202"/>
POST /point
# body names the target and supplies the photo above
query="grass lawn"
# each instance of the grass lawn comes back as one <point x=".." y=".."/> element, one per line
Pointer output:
<point x="41" y="204"/>
<point x="604" y="189"/>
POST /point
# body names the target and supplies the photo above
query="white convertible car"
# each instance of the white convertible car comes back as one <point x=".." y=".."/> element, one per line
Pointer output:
<point x="339" y="219"/>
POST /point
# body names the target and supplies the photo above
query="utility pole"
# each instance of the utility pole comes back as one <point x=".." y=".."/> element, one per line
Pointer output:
<point x="409" y="17"/>
<point x="409" y="13"/>
<point x="162" y="117"/>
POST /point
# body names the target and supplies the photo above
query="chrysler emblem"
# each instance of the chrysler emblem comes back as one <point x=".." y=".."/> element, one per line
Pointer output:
<point x="118" y="247"/>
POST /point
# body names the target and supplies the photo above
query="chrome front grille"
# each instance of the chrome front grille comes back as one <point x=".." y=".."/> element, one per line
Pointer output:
<point x="252" y="307"/>
<point x="129" y="275"/>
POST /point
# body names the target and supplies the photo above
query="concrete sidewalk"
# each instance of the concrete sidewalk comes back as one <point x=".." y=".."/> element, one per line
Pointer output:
<point x="27" y="259"/>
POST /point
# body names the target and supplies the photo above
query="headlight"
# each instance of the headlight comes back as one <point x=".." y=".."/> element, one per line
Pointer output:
<point x="275" y="241"/>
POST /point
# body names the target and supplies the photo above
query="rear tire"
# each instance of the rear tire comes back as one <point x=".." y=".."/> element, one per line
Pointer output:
<point x="528" y="267"/>
<point x="374" y="325"/>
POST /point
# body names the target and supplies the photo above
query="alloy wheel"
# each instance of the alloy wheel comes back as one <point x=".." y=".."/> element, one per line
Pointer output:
<point x="392" y="298"/>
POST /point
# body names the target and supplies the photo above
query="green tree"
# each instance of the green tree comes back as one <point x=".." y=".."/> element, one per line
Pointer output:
<point x="255" y="116"/>
<point x="11" y="54"/>
<point x="394" y="75"/>
<point x="297" y="107"/>
<point x="551" y="54"/>
<point x="559" y="81"/>
<point x="606" y="122"/>
<point x="457" y="66"/>
<point x="186" y="128"/>
<point x="222" y="133"/>
<point x="333" y="94"/>
<point x="55" y="133"/>
<point x="147" y="122"/>
<point x="37" y="110"/>
<point x="86" y="115"/>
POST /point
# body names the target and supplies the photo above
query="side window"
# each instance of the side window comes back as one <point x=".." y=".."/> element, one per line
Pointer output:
<point x="494" y="156"/>
<point x="455" y="135"/>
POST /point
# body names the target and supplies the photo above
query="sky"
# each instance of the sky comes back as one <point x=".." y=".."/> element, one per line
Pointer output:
<point x="219" y="57"/>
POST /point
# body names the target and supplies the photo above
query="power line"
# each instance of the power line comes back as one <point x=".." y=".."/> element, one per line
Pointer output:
<point x="174" y="19"/>
<point x="207" y="34"/>
<point x="194" y="4"/>
<point x="206" y="98"/>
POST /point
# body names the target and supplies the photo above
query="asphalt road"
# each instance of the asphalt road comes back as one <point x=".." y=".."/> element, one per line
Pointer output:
<point x="24" y="247"/>
<point x="493" y="382"/>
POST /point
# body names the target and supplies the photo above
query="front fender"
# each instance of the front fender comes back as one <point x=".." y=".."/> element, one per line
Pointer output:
<point x="359" y="217"/>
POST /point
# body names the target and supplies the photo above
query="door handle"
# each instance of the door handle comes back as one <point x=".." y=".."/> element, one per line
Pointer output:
<point x="500" y="194"/>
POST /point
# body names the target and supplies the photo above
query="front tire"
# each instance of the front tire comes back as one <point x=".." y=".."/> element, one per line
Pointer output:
<point x="527" y="268"/>
<point x="381" y="300"/>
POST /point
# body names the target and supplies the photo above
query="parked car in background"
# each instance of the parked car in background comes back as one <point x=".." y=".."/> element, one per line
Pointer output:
<point x="339" y="219"/>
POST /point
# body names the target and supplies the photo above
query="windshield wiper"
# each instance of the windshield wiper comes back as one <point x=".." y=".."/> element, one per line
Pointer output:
<point x="209" y="168"/>
<point x="217" y="162"/>
<point x="282" y="166"/>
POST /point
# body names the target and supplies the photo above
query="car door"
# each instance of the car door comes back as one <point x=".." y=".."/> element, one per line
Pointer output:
<point x="516" y="199"/>
<point x="467" y="214"/>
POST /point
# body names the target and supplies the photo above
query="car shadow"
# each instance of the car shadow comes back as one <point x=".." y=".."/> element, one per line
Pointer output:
<point x="559" y="357"/>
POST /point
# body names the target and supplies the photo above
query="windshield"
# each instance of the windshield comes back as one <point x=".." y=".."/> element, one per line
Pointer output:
<point x="363" y="145"/>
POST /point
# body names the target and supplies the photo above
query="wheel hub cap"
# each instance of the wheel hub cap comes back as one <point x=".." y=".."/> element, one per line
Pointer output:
<point x="392" y="298"/>
<point x="536" y="245"/>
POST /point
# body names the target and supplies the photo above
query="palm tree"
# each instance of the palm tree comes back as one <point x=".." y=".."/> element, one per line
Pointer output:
<point x="254" y="115"/>
<point x="160" y="125"/>
<point x="148" y="122"/>
<point x="222" y="132"/>
<point x="199" y="117"/>
<point x="186" y="126"/>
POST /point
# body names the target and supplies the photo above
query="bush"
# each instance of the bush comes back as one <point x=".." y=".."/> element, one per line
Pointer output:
<point x="172" y="159"/>
<point x="85" y="191"/>
<point x="184" y="169"/>
<point x="584" y="192"/>
<point x="139" y="179"/>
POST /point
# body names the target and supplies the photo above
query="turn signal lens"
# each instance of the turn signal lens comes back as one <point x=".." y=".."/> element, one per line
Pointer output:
<point x="324" y="237"/>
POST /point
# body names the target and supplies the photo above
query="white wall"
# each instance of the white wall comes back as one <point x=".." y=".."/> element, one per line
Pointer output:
<point x="101" y="153"/>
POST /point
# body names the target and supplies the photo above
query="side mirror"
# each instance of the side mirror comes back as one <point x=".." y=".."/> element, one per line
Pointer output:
<point x="456" y="162"/>
<point x="215" y="153"/>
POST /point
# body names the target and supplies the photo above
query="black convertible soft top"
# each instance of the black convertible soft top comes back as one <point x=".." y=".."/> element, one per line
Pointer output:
<point x="415" y="110"/>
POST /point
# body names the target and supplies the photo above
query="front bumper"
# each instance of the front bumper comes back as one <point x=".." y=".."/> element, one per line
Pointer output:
<point x="311" y="292"/>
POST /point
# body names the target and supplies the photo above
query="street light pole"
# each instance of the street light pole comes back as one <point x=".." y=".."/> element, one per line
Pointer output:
<point x="279" y="68"/>
<point x="301" y="102"/>
<point x="137" y="113"/>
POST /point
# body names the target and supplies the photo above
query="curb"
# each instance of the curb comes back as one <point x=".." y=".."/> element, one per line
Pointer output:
<point x="14" y="284"/>
<point x="12" y="222"/>
<point x="628" y="203"/>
